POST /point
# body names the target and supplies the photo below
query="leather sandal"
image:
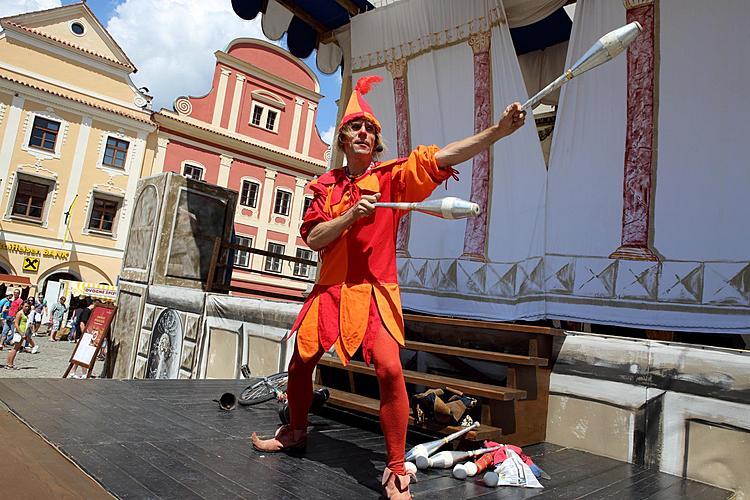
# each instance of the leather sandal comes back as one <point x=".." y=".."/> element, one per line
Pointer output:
<point x="395" y="487"/>
<point x="285" y="439"/>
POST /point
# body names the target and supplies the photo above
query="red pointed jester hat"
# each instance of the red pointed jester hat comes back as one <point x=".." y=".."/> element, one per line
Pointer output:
<point x="358" y="107"/>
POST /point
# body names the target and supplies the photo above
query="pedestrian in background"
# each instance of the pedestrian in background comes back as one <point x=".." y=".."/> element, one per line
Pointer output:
<point x="8" y="327"/>
<point x="57" y="313"/>
<point x="4" y="307"/>
<point x="21" y="332"/>
<point x="73" y="335"/>
<point x="37" y="318"/>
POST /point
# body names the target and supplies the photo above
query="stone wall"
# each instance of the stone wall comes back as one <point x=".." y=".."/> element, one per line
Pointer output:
<point x="678" y="408"/>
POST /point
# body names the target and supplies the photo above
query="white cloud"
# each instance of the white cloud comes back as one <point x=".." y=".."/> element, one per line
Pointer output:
<point x="327" y="136"/>
<point x="172" y="43"/>
<point x="13" y="7"/>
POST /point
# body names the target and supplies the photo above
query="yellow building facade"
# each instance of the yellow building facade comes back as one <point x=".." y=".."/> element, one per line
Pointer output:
<point x="74" y="139"/>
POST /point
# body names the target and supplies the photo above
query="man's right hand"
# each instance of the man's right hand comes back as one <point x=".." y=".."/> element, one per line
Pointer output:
<point x="364" y="207"/>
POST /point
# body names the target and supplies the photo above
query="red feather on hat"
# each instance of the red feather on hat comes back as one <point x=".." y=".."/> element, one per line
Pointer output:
<point x="365" y="83"/>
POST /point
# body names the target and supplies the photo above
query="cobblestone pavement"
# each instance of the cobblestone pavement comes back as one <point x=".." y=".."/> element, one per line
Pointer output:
<point x="50" y="362"/>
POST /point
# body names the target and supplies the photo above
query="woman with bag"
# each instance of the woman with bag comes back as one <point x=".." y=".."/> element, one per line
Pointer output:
<point x="22" y="324"/>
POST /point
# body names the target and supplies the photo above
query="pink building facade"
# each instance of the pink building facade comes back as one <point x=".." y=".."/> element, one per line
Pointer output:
<point x="253" y="132"/>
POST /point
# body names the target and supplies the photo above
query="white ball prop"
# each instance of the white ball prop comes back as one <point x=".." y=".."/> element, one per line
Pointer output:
<point x="410" y="468"/>
<point x="459" y="471"/>
<point x="471" y="469"/>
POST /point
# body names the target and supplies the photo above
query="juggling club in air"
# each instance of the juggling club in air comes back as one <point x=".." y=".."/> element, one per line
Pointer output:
<point x="427" y="449"/>
<point x="605" y="49"/>
<point x="471" y="469"/>
<point x="449" y="207"/>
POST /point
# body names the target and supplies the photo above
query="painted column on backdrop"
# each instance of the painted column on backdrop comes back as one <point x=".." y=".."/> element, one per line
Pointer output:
<point x="475" y="237"/>
<point x="640" y="136"/>
<point x="397" y="69"/>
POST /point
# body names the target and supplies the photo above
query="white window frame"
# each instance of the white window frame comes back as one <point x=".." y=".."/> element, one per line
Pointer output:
<point x="237" y="253"/>
<point x="289" y="205"/>
<point x="52" y="185"/>
<point x="264" y="116"/>
<point x="274" y="264"/>
<point x="304" y="201"/>
<point x="257" y="195"/>
<point x="119" y="135"/>
<point x="120" y="199"/>
<point x="44" y="154"/>
<point x="191" y="163"/>
<point x="303" y="270"/>
<point x="77" y="21"/>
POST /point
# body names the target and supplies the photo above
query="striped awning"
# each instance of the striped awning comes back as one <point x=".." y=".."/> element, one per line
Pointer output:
<point x="93" y="290"/>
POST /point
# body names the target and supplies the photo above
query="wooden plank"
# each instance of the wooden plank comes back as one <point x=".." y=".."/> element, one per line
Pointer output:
<point x="344" y="458"/>
<point x="34" y="469"/>
<point x="487" y="325"/>
<point x="411" y="377"/>
<point x="363" y="404"/>
<point x="462" y="352"/>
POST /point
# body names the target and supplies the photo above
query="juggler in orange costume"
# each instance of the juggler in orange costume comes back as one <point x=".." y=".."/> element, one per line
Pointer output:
<point x="356" y="300"/>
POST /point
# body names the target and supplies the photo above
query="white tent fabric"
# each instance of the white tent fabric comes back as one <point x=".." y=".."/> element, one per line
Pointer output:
<point x="275" y="20"/>
<point x="328" y="57"/>
<point x="525" y="12"/>
<point x="436" y="278"/>
<point x="702" y="281"/>
<point x="550" y="236"/>
<point x="541" y="67"/>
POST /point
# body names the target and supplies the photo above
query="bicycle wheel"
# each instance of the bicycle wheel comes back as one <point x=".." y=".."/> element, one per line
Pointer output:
<point x="262" y="391"/>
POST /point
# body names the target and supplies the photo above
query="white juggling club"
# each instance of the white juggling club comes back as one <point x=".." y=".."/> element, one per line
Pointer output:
<point x="470" y="469"/>
<point x="605" y="49"/>
<point x="446" y="208"/>
<point x="446" y="459"/>
<point x="428" y="449"/>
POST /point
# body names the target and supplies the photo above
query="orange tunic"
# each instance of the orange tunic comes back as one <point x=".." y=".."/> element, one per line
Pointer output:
<point x="357" y="290"/>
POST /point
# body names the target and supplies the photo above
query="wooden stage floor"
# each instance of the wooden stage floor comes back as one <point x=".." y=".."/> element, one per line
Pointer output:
<point x="168" y="439"/>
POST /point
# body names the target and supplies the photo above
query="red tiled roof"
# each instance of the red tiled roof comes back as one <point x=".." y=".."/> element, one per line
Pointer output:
<point x="76" y="99"/>
<point x="246" y="140"/>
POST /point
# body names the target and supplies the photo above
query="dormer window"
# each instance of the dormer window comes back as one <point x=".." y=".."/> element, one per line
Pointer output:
<point x="266" y="110"/>
<point x="265" y="117"/>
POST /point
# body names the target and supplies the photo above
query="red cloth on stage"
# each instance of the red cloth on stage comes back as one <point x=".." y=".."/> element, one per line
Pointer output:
<point x="357" y="288"/>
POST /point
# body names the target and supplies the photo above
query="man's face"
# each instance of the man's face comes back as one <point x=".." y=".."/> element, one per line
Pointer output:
<point x="62" y="300"/>
<point x="16" y="293"/>
<point x="361" y="136"/>
<point x="26" y="308"/>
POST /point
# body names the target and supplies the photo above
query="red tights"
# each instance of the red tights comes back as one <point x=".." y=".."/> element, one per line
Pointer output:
<point x="394" y="403"/>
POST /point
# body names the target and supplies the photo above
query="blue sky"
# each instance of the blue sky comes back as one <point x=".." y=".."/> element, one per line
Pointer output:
<point x="172" y="42"/>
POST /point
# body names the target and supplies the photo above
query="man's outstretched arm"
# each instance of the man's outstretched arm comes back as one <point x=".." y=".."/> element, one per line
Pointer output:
<point x="464" y="149"/>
